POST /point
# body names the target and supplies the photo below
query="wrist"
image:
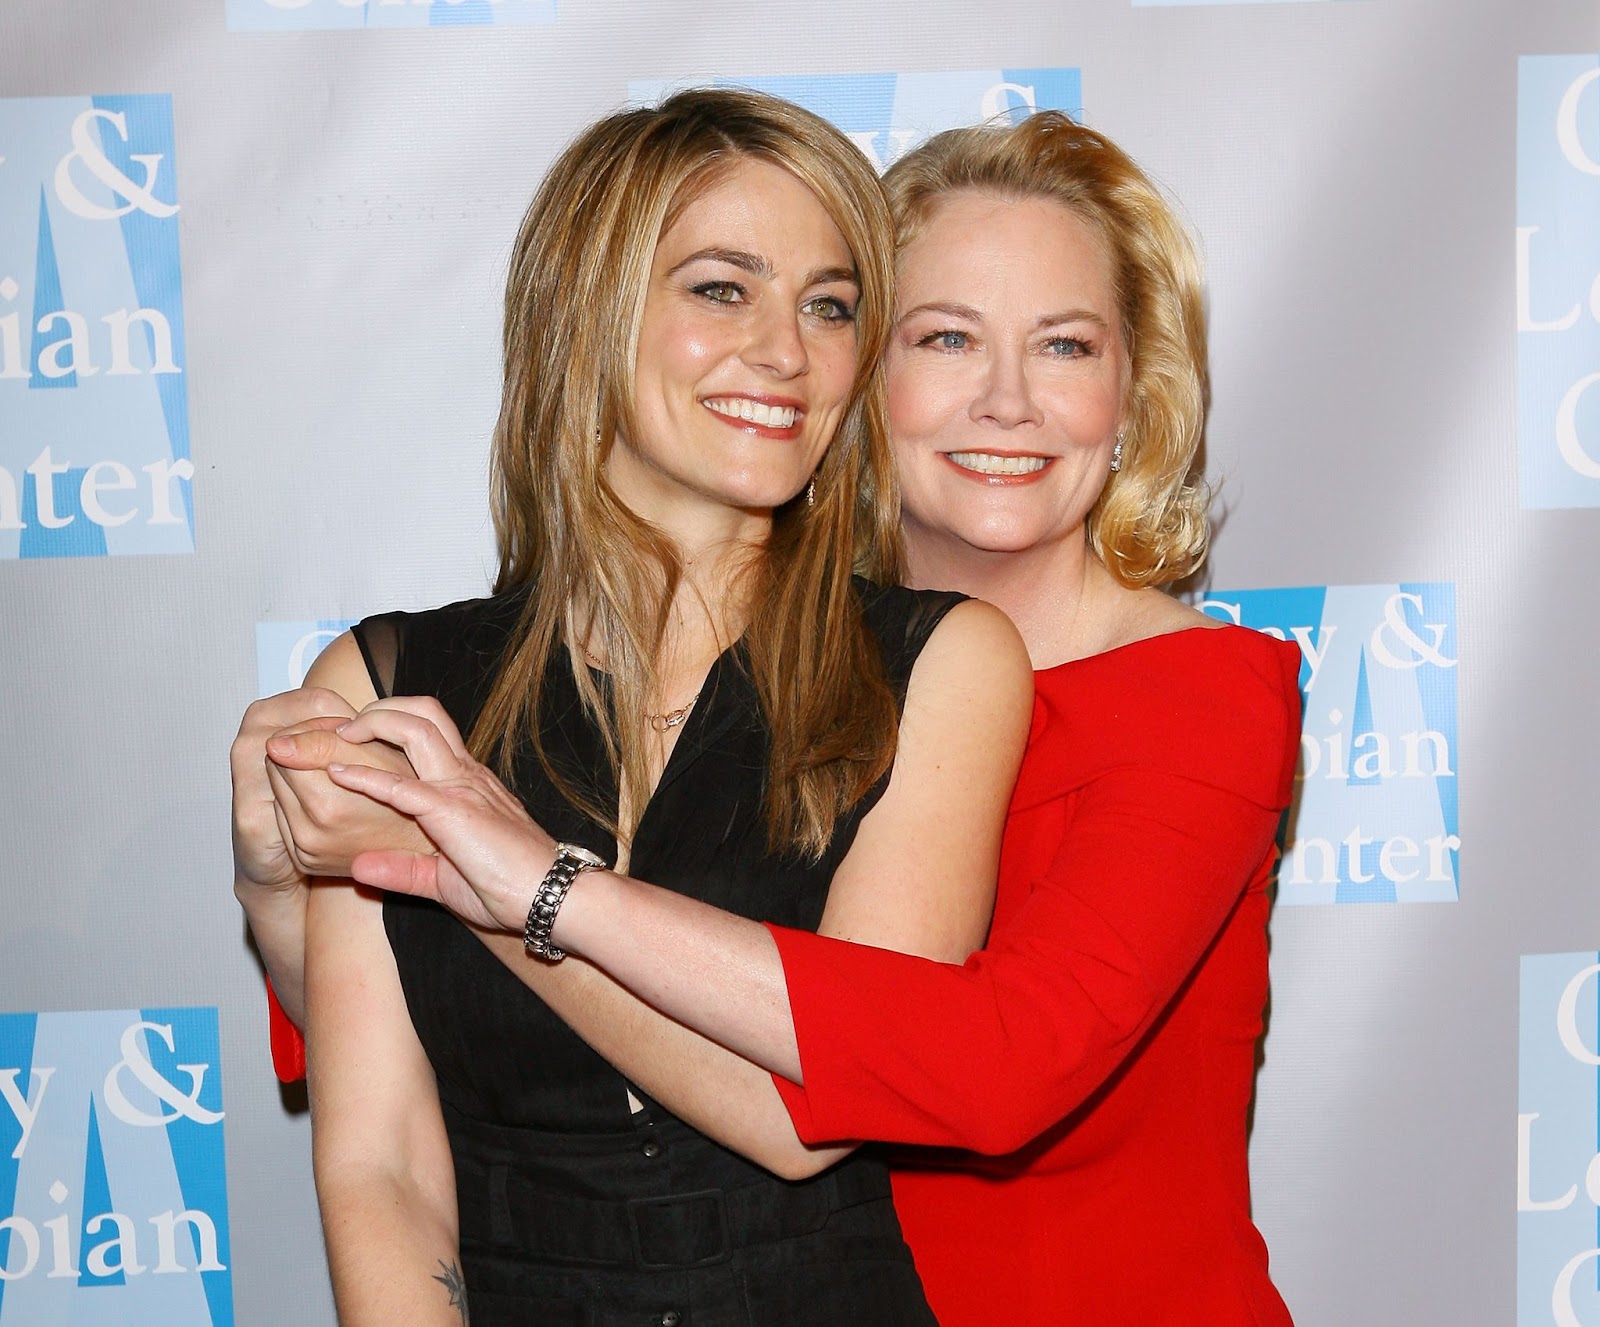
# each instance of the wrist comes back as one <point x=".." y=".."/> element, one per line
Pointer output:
<point x="270" y="895"/>
<point x="571" y="863"/>
<point x="591" y="905"/>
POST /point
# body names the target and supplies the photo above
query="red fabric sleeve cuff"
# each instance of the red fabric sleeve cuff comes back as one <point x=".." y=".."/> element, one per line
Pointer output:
<point x="288" y="1046"/>
<point x="816" y="1005"/>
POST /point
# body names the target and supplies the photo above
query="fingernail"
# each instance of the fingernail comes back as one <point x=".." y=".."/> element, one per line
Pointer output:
<point x="344" y="725"/>
<point x="335" y="769"/>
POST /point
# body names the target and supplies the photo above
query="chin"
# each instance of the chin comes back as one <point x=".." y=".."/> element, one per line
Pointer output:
<point x="990" y="536"/>
<point x="758" y="496"/>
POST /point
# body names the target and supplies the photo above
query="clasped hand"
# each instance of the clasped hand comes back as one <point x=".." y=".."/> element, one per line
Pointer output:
<point x="464" y="841"/>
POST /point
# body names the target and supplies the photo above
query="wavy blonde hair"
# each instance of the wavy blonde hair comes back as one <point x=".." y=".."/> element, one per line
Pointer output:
<point x="594" y="570"/>
<point x="1149" y="525"/>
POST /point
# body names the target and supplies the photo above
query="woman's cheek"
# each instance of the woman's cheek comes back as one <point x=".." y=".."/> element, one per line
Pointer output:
<point x="913" y="400"/>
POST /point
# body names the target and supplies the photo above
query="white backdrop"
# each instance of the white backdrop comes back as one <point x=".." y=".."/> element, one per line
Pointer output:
<point x="1401" y="233"/>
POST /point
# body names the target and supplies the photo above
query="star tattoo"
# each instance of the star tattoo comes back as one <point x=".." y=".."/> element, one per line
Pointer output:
<point x="451" y="1280"/>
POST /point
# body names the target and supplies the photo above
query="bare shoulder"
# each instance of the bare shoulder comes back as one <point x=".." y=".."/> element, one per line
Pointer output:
<point x="342" y="669"/>
<point x="1149" y="613"/>
<point x="974" y="669"/>
<point x="978" y="642"/>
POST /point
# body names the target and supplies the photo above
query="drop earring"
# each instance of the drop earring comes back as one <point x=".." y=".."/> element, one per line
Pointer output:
<point x="1116" y="455"/>
<point x="811" y="492"/>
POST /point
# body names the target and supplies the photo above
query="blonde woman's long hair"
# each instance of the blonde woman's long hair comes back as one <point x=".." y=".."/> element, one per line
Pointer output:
<point x="1149" y="526"/>
<point x="595" y="571"/>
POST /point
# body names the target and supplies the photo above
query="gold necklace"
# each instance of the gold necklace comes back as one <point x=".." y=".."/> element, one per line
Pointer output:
<point x="662" y="723"/>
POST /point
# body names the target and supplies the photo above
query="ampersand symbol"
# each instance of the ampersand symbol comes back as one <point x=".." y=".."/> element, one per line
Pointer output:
<point x="87" y="150"/>
<point x="184" y="1104"/>
<point x="1418" y="651"/>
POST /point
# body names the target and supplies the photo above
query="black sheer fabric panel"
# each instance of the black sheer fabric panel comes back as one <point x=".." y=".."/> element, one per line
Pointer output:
<point x="379" y="639"/>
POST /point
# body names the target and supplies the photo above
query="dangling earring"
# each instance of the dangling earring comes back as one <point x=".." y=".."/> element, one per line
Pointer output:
<point x="811" y="492"/>
<point x="1116" y="454"/>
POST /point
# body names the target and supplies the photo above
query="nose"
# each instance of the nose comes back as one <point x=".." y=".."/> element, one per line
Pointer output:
<point x="1005" y="396"/>
<point x="777" y="343"/>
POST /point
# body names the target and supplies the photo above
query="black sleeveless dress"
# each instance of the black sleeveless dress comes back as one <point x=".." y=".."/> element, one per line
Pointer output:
<point x="576" y="1211"/>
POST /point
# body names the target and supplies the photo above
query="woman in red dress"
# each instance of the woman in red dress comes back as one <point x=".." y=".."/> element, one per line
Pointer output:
<point x="1047" y="387"/>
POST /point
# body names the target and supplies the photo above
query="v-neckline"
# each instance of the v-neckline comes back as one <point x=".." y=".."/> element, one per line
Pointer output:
<point x="696" y="732"/>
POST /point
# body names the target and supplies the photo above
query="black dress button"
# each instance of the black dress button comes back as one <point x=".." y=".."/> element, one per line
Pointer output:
<point x="671" y="1318"/>
<point x="652" y="1149"/>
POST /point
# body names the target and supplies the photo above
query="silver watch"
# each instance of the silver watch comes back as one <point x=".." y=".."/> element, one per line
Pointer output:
<point x="571" y="862"/>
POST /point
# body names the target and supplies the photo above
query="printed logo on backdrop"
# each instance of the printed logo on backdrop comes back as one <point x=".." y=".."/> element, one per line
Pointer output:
<point x="285" y="651"/>
<point x="1558" y="280"/>
<point x="298" y="15"/>
<point x="1374" y="819"/>
<point x="887" y="115"/>
<point x="1558" y="1141"/>
<point x="112" y="1184"/>
<point x="94" y="457"/>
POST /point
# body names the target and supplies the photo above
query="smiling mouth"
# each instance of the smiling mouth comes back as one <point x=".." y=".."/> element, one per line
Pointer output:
<point x="987" y="463"/>
<point x="753" y="412"/>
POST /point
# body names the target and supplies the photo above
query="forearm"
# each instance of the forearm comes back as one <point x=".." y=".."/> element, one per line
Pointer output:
<point x="392" y="1252"/>
<point x="717" y="973"/>
<point x="277" y="921"/>
<point x="722" y="1094"/>
<point x="1066" y="991"/>
<point x="385" y="1176"/>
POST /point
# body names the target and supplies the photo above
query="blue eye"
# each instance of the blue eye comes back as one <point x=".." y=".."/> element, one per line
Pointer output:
<point x="944" y="341"/>
<point x="1070" y="347"/>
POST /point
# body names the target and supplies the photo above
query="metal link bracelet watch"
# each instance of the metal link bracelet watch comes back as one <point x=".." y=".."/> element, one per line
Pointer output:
<point x="571" y="862"/>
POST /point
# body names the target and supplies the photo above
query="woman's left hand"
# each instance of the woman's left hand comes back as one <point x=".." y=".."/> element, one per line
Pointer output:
<point x="492" y="856"/>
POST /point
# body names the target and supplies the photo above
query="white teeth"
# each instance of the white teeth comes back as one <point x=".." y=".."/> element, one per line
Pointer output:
<point x="984" y="463"/>
<point x="756" y="412"/>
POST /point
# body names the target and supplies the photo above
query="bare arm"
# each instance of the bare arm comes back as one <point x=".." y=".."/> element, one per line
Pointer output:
<point x="385" y="1181"/>
<point x="292" y="823"/>
<point x="919" y="877"/>
<point x="268" y="881"/>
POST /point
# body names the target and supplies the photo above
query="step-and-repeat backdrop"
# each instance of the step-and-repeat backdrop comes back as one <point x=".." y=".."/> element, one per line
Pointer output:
<point x="251" y="254"/>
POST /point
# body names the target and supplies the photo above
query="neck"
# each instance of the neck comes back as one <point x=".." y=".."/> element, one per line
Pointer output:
<point x="709" y="597"/>
<point x="1048" y="591"/>
<point x="706" y="613"/>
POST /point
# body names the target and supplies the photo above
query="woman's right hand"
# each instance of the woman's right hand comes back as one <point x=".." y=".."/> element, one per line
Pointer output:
<point x="270" y="881"/>
<point x="323" y="825"/>
<point x="491" y="855"/>
<point x="263" y="858"/>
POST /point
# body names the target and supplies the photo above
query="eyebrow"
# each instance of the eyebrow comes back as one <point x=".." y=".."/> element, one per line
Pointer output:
<point x="1071" y="316"/>
<point x="947" y="308"/>
<point x="758" y="265"/>
<point x="966" y="311"/>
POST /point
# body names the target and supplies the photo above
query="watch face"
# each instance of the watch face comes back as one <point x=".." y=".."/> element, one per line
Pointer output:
<point x="582" y="855"/>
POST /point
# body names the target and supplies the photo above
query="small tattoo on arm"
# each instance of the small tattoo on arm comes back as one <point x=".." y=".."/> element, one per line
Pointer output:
<point x="450" y="1279"/>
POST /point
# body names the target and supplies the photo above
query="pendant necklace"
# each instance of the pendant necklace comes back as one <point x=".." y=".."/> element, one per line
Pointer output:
<point x="662" y="723"/>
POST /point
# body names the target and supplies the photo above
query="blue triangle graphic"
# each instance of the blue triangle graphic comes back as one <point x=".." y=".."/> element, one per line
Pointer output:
<point x="96" y="1200"/>
<point x="47" y="297"/>
<point x="81" y="538"/>
<point x="1361" y="722"/>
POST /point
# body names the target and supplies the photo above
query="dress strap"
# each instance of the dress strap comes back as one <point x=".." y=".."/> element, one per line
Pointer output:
<point x="903" y="620"/>
<point x="379" y="640"/>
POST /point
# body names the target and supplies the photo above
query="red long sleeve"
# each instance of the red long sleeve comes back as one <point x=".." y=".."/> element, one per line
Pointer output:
<point x="1154" y="783"/>
<point x="1102" y="1048"/>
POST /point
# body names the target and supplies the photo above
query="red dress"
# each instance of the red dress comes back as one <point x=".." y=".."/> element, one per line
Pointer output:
<point x="1101" y="1049"/>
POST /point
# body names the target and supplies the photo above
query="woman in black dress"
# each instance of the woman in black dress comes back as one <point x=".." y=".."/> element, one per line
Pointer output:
<point x="678" y="673"/>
